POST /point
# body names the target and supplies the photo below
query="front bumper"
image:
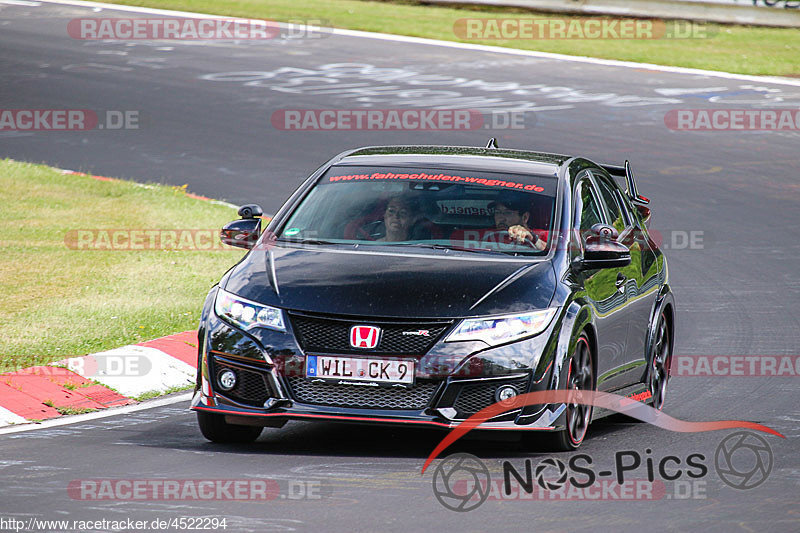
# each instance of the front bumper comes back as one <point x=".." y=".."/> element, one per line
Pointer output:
<point x="453" y="383"/>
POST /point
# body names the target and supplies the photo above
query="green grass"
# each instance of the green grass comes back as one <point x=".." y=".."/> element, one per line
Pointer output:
<point x="74" y="410"/>
<point x="740" y="49"/>
<point x="69" y="410"/>
<point x="155" y="393"/>
<point x="59" y="302"/>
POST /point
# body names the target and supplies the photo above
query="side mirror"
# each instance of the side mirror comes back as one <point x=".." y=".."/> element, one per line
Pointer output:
<point x="250" y="211"/>
<point x="245" y="232"/>
<point x="601" y="250"/>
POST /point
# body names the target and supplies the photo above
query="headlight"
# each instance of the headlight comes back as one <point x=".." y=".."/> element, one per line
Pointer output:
<point x="502" y="329"/>
<point x="247" y="314"/>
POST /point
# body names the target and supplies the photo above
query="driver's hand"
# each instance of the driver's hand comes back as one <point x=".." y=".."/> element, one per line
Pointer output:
<point x="523" y="235"/>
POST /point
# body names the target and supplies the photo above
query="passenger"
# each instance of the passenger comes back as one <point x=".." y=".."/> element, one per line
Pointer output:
<point x="401" y="213"/>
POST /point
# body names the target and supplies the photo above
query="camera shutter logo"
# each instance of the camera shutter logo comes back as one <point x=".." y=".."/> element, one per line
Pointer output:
<point x="743" y="460"/>
<point x="461" y="471"/>
<point x="548" y="464"/>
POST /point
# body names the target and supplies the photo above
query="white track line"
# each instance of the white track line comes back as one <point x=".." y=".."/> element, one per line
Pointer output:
<point x="462" y="46"/>
<point x="20" y="3"/>
<point x="113" y="411"/>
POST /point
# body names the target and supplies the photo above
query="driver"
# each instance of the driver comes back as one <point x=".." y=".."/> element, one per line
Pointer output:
<point x="511" y="213"/>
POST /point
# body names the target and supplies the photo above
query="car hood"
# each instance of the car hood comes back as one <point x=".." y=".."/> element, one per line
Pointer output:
<point x="383" y="284"/>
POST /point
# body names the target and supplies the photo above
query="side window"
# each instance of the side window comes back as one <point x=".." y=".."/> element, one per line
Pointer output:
<point x="610" y="198"/>
<point x="627" y="208"/>
<point x="589" y="209"/>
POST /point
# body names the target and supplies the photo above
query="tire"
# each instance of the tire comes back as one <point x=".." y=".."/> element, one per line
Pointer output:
<point x="214" y="428"/>
<point x="580" y="376"/>
<point x="660" y="362"/>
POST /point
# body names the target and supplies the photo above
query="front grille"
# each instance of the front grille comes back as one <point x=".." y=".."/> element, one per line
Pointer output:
<point x="473" y="398"/>
<point x="359" y="396"/>
<point x="332" y="335"/>
<point x="251" y="385"/>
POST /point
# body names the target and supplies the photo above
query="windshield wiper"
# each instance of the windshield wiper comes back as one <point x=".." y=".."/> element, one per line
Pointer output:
<point x="514" y="253"/>
<point x="443" y="247"/>
<point x="306" y="241"/>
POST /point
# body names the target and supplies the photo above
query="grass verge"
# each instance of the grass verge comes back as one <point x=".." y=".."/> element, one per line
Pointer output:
<point x="59" y="301"/>
<point x="739" y="49"/>
<point x="156" y="393"/>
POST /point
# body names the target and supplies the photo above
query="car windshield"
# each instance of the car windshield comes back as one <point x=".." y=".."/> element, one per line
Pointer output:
<point x="429" y="208"/>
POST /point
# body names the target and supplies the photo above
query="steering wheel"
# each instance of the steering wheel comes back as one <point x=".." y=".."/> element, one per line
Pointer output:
<point x="371" y="231"/>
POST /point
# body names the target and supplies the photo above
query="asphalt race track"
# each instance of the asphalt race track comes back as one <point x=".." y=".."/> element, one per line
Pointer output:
<point x="737" y="289"/>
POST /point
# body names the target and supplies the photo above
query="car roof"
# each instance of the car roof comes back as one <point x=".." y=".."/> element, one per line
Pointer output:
<point x="466" y="157"/>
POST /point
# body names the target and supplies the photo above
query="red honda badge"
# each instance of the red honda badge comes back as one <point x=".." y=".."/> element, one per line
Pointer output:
<point x="364" y="336"/>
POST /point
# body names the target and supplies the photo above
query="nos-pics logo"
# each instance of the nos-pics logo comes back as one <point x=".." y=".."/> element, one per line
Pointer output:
<point x="462" y="482"/>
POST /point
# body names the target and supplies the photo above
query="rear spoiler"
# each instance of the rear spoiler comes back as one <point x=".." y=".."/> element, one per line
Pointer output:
<point x="639" y="201"/>
<point x="627" y="173"/>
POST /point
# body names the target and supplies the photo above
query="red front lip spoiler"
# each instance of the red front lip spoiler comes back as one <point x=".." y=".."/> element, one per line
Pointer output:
<point x="319" y="416"/>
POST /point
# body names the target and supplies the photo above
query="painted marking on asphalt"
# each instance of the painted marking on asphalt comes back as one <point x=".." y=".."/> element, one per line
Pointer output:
<point x="400" y="87"/>
<point x="689" y="91"/>
<point x="116" y="411"/>
<point x="449" y="44"/>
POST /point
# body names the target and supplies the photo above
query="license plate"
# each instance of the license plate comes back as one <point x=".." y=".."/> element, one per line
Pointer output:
<point x="360" y="369"/>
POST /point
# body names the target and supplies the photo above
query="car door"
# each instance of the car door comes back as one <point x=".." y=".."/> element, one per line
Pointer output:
<point x="637" y="279"/>
<point x="602" y="292"/>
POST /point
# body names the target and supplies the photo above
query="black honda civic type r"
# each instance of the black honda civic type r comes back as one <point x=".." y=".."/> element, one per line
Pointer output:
<point x="422" y="284"/>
